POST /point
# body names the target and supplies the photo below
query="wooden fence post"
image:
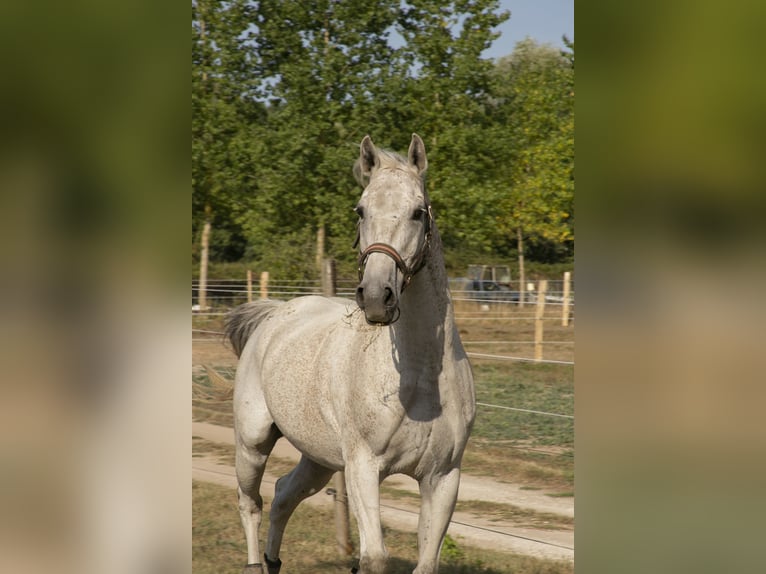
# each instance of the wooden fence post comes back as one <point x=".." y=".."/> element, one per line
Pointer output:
<point x="328" y="278"/>
<point x="204" y="256"/>
<point x="565" y="306"/>
<point x="249" y="286"/>
<point x="265" y="285"/>
<point x="542" y="288"/>
<point x="342" y="525"/>
<point x="320" y="249"/>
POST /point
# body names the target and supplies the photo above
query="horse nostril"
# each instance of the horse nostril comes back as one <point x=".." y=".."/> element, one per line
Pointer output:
<point x="389" y="298"/>
<point x="360" y="297"/>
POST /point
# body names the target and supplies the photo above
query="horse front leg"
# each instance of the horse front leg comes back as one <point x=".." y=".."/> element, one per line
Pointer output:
<point x="363" y="484"/>
<point x="438" y="494"/>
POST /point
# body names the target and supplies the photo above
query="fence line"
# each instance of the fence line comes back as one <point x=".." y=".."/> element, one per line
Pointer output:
<point x="520" y="359"/>
<point x="525" y="410"/>
<point x="310" y="289"/>
<point x="517" y="342"/>
<point x="549" y="300"/>
<point x="460" y="316"/>
<point x="555" y="286"/>
<point x="206" y="331"/>
<point x="548" y="318"/>
<point x="208" y="313"/>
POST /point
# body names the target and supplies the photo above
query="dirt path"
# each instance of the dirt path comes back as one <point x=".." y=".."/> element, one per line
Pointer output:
<point x="402" y="514"/>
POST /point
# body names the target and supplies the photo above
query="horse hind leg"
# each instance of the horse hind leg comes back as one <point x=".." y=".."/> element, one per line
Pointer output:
<point x="250" y="463"/>
<point x="306" y="479"/>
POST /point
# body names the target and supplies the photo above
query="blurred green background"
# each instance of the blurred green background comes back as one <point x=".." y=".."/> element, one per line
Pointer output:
<point x="96" y="216"/>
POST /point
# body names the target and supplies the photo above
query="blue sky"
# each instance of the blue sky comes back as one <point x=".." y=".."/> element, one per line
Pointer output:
<point x="544" y="20"/>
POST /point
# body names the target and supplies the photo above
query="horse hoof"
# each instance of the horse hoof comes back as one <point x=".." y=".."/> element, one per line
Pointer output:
<point x="253" y="569"/>
<point x="273" y="565"/>
<point x="354" y="570"/>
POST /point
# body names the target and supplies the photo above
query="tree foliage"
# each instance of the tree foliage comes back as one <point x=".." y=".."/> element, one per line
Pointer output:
<point x="284" y="91"/>
<point x="535" y="94"/>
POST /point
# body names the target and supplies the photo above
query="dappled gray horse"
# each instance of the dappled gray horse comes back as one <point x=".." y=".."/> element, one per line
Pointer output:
<point x="376" y="388"/>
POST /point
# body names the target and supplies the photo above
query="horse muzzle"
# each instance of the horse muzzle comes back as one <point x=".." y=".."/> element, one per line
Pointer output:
<point x="379" y="287"/>
<point x="378" y="301"/>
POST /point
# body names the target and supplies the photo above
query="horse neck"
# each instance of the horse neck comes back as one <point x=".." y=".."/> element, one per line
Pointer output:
<point x="427" y="301"/>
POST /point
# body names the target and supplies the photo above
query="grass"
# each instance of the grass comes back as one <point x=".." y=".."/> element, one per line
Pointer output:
<point x="504" y="464"/>
<point x="539" y="387"/>
<point x="522" y="517"/>
<point x="496" y="511"/>
<point x="218" y="545"/>
<point x="224" y="453"/>
<point x="531" y="449"/>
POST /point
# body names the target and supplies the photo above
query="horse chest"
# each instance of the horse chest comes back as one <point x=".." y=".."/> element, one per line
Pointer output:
<point x="407" y="427"/>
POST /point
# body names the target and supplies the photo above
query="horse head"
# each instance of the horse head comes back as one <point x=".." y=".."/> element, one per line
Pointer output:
<point x="395" y="224"/>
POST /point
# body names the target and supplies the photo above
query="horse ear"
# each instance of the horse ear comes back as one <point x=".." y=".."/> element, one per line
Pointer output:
<point x="368" y="156"/>
<point x="417" y="154"/>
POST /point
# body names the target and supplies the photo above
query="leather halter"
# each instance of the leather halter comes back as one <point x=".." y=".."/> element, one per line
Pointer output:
<point x="407" y="271"/>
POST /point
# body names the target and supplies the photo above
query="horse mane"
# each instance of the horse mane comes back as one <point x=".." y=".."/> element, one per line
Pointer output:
<point x="243" y="320"/>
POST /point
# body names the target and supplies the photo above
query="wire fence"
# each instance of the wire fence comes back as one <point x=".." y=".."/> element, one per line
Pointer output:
<point x="235" y="291"/>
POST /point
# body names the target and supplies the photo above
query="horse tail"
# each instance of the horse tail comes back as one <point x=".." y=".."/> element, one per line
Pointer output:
<point x="243" y="320"/>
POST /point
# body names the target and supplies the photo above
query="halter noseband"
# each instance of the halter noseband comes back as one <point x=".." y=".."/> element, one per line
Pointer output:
<point x="407" y="272"/>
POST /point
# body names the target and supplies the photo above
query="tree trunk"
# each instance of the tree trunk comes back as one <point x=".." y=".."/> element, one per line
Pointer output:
<point x="204" y="254"/>
<point x="522" y="276"/>
<point x="320" y="248"/>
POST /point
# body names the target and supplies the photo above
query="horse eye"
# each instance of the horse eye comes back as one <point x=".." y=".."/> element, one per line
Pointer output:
<point x="418" y="214"/>
<point x="359" y="211"/>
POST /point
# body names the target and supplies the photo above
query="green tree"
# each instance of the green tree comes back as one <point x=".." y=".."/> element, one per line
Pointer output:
<point x="330" y="76"/>
<point x="442" y="95"/>
<point x="534" y="109"/>
<point x="222" y="108"/>
<point x="320" y="64"/>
